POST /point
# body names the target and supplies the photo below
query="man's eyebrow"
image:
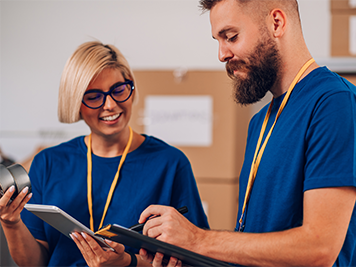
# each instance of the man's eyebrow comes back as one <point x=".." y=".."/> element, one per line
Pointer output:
<point x="222" y="33"/>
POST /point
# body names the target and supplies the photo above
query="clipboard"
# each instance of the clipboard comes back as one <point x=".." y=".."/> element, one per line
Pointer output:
<point x="136" y="240"/>
<point x="66" y="224"/>
<point x="63" y="222"/>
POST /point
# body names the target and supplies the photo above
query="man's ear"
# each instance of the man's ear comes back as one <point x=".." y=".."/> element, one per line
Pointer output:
<point x="277" y="22"/>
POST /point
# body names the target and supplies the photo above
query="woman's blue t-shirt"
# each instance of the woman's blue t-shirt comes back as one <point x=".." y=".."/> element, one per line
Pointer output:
<point x="154" y="173"/>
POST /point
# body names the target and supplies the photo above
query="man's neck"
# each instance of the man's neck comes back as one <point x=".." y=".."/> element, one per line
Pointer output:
<point x="288" y="73"/>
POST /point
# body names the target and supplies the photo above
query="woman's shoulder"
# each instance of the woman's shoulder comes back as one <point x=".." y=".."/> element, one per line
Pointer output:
<point x="72" y="146"/>
<point x="153" y="145"/>
<point x="59" y="157"/>
<point x="152" y="141"/>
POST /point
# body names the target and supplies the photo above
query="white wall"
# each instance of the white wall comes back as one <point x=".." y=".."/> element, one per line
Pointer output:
<point x="37" y="37"/>
<point x="316" y="24"/>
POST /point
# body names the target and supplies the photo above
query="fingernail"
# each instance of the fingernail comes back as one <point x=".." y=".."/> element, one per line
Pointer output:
<point x="25" y="190"/>
<point x="71" y="236"/>
<point x="75" y="235"/>
<point x="12" y="188"/>
<point x="108" y="241"/>
<point x="159" y="255"/>
<point x="83" y="234"/>
<point x="29" y="195"/>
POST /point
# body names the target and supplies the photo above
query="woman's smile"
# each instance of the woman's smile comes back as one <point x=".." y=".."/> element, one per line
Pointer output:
<point x="111" y="118"/>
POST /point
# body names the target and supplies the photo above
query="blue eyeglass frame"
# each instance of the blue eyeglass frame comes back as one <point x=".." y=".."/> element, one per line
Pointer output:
<point x="112" y="88"/>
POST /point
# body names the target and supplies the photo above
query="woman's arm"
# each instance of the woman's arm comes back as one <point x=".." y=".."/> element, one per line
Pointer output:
<point x="24" y="248"/>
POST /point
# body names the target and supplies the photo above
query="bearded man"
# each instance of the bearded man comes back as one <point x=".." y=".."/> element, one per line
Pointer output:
<point x="297" y="184"/>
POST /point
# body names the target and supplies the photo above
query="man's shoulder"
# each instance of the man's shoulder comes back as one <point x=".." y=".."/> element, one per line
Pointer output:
<point x="330" y="81"/>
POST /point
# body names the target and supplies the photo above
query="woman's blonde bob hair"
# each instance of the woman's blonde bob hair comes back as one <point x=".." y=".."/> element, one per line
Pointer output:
<point x="82" y="67"/>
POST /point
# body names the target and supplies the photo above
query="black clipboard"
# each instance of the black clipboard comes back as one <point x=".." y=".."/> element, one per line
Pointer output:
<point x="136" y="240"/>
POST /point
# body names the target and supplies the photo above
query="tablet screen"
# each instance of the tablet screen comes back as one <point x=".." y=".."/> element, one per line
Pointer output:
<point x="62" y="221"/>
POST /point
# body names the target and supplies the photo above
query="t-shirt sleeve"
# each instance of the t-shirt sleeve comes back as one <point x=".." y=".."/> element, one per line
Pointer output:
<point x="330" y="149"/>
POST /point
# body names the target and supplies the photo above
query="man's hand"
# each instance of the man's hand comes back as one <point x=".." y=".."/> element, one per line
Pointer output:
<point x="170" y="226"/>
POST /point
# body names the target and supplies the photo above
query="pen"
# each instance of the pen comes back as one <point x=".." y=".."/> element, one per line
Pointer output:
<point x="138" y="227"/>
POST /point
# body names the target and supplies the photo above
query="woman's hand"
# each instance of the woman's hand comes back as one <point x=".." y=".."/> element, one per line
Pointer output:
<point x="96" y="256"/>
<point x="157" y="259"/>
<point x="10" y="212"/>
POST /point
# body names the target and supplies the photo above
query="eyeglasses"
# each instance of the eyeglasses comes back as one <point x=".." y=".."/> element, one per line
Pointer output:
<point x="120" y="92"/>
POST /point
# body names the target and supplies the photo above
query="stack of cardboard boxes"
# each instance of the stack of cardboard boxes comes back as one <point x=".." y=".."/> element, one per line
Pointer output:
<point x="216" y="167"/>
<point x="343" y="28"/>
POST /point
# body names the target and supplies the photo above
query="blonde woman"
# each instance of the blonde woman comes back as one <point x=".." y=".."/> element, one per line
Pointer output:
<point x="109" y="176"/>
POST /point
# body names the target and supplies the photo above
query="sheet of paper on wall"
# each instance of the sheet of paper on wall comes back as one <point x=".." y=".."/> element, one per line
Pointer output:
<point x="352" y="3"/>
<point x="180" y="120"/>
<point x="352" y="35"/>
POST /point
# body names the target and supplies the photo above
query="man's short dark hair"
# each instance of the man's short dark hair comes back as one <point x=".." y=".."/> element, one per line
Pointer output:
<point x="292" y="5"/>
<point x="206" y="5"/>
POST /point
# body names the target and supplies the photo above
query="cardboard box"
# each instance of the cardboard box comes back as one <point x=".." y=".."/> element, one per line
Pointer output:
<point x="224" y="158"/>
<point x="343" y="35"/>
<point x="221" y="199"/>
<point x="350" y="77"/>
<point x="342" y="5"/>
<point x="216" y="167"/>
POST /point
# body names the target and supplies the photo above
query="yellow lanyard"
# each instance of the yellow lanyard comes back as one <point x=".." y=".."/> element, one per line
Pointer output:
<point x="113" y="185"/>
<point x="259" y="152"/>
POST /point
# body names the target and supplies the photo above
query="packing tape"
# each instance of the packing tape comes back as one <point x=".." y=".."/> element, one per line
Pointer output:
<point x="6" y="179"/>
<point x="14" y="175"/>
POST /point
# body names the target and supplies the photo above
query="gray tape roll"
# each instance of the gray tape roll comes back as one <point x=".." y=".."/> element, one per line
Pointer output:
<point x="6" y="180"/>
<point x="21" y="177"/>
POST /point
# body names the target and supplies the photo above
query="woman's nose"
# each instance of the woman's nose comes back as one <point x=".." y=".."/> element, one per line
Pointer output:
<point x="109" y="103"/>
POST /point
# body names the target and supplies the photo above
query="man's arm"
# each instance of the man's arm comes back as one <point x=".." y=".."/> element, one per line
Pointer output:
<point x="327" y="213"/>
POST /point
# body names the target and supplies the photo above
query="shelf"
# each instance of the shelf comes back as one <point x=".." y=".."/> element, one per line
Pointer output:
<point x="345" y="65"/>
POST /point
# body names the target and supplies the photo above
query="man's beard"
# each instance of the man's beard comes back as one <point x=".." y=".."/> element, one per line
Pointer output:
<point x="261" y="72"/>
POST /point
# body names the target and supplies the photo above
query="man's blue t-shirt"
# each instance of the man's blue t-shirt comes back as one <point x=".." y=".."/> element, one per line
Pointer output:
<point x="154" y="173"/>
<point x="313" y="145"/>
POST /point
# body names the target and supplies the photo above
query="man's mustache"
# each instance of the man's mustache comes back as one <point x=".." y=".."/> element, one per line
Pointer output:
<point x="235" y="65"/>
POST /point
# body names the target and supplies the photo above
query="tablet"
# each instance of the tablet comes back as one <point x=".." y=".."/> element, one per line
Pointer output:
<point x="62" y="221"/>
<point x="136" y="240"/>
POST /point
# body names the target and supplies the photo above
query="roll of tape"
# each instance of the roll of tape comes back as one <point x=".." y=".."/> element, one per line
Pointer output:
<point x="14" y="175"/>
<point x="21" y="177"/>
<point x="6" y="180"/>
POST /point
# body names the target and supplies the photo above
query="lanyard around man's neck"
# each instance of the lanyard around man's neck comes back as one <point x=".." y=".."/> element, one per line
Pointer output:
<point x="259" y="152"/>
<point x="113" y="185"/>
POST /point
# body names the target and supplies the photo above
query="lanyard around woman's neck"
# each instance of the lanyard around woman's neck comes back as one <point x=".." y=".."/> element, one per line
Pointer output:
<point x="259" y="152"/>
<point x="113" y="185"/>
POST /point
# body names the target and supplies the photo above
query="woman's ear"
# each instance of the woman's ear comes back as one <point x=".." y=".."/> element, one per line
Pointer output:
<point x="278" y="22"/>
